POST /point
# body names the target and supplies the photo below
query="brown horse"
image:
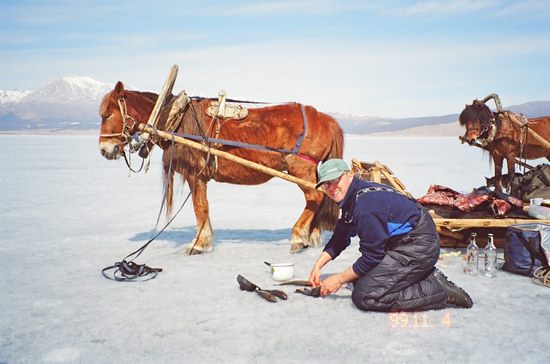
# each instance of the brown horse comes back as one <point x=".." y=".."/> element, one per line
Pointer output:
<point x="503" y="138"/>
<point x="282" y="127"/>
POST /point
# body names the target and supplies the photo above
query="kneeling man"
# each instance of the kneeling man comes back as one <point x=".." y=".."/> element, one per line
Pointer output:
<point x="399" y="247"/>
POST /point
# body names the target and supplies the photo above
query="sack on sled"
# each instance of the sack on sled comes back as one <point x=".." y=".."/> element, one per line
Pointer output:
<point x="535" y="183"/>
<point x="527" y="247"/>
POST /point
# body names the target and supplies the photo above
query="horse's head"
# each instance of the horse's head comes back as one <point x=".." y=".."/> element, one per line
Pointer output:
<point x="121" y="112"/>
<point x="479" y="121"/>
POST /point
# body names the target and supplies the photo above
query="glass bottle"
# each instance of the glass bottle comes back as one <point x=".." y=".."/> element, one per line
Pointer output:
<point x="472" y="256"/>
<point x="490" y="258"/>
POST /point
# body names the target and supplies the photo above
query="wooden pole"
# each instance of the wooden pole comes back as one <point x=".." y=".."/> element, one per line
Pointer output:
<point x="535" y="135"/>
<point x="481" y="223"/>
<point x="166" y="89"/>
<point x="228" y="156"/>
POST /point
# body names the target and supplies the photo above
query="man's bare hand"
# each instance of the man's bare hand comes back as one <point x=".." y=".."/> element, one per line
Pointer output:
<point x="330" y="285"/>
<point x="315" y="277"/>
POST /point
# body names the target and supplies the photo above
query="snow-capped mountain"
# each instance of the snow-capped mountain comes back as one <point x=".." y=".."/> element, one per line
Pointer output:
<point x="10" y="96"/>
<point x="71" y="89"/>
<point x="70" y="102"/>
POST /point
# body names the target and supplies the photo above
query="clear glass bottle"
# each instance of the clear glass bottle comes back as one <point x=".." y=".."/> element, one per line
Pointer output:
<point x="472" y="256"/>
<point x="490" y="258"/>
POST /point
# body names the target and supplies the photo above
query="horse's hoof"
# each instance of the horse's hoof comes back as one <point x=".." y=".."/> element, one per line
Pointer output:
<point x="296" y="247"/>
<point x="193" y="251"/>
<point x="196" y="250"/>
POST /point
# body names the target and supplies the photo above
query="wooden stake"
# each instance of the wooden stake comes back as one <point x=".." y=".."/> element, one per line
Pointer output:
<point x="166" y="89"/>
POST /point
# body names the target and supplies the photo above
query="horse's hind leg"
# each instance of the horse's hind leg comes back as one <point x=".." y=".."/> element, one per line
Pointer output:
<point x="302" y="234"/>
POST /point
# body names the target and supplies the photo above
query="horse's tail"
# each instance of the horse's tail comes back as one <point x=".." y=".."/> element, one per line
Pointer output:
<point x="326" y="217"/>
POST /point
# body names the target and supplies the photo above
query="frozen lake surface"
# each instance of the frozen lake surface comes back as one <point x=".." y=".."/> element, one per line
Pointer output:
<point x="66" y="213"/>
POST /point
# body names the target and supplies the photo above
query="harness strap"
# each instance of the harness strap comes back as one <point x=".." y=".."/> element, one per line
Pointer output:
<point x="296" y="150"/>
<point x="304" y="131"/>
<point x="125" y="132"/>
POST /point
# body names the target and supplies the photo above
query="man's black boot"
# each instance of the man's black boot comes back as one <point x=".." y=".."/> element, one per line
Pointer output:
<point x="455" y="295"/>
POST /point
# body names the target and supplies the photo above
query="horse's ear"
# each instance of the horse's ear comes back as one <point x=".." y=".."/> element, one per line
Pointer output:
<point x="119" y="89"/>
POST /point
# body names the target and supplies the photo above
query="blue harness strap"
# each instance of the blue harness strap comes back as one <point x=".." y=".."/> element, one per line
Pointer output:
<point x="234" y="143"/>
<point x="304" y="131"/>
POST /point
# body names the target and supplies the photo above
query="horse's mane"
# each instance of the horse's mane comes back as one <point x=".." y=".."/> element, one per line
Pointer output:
<point x="477" y="111"/>
<point x="148" y="95"/>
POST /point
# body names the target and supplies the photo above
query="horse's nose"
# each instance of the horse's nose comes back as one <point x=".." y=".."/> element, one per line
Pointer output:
<point x="110" y="151"/>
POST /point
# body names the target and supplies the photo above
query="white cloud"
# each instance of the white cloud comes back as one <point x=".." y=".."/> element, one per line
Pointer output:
<point x="438" y="7"/>
<point x="526" y="8"/>
<point x="301" y="7"/>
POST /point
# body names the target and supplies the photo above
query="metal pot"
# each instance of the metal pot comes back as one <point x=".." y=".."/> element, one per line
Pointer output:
<point x="281" y="271"/>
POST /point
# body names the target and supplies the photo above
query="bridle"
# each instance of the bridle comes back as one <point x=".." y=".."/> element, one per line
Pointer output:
<point x="490" y="129"/>
<point x="126" y="127"/>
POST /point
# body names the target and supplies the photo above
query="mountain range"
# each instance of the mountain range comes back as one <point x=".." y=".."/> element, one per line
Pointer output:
<point x="71" y="104"/>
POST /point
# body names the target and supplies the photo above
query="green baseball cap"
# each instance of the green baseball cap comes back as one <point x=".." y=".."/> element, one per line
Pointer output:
<point x="329" y="170"/>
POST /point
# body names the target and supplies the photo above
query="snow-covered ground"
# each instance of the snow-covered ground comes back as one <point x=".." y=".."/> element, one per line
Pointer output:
<point x="66" y="213"/>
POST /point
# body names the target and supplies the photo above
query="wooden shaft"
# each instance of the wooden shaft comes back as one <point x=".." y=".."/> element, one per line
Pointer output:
<point x="228" y="156"/>
<point x="166" y="89"/>
<point x="459" y="224"/>
<point x="534" y="134"/>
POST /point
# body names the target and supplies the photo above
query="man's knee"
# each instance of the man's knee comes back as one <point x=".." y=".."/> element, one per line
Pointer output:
<point x="357" y="298"/>
<point x="365" y="301"/>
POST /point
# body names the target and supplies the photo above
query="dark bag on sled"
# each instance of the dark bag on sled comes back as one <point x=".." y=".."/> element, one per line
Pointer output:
<point x="535" y="183"/>
<point x="527" y="247"/>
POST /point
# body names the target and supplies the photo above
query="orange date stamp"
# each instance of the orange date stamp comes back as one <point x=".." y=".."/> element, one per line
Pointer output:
<point x="419" y="320"/>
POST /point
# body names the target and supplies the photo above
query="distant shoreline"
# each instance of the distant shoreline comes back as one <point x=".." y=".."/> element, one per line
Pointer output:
<point x="433" y="131"/>
<point x="50" y="132"/>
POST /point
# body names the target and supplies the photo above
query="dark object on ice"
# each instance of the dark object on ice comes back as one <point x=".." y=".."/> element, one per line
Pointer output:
<point x="295" y="282"/>
<point x="128" y="271"/>
<point x="313" y="292"/>
<point x="455" y="295"/>
<point x="526" y="248"/>
<point x="267" y="294"/>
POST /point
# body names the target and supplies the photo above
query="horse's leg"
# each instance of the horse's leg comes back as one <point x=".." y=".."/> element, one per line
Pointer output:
<point x="497" y="160"/>
<point x="511" y="165"/>
<point x="302" y="234"/>
<point x="203" y="239"/>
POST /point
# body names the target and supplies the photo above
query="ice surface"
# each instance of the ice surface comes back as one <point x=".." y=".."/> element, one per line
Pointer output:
<point x="66" y="213"/>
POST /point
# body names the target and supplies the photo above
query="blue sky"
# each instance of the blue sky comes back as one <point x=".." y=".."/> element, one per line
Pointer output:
<point x="388" y="58"/>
